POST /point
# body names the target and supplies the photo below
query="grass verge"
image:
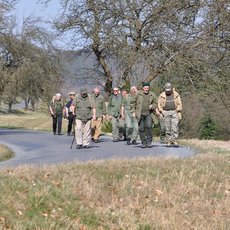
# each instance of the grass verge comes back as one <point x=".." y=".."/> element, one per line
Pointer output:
<point x="140" y="194"/>
<point x="5" y="153"/>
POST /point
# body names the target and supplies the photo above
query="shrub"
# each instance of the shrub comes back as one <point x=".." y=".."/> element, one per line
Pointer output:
<point x="208" y="128"/>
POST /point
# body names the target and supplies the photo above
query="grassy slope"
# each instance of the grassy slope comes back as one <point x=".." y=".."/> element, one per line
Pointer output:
<point x="145" y="194"/>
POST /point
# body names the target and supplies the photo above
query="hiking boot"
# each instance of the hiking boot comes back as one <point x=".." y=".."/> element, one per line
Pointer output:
<point x="128" y="141"/>
<point x="78" y="146"/>
<point x="175" y="144"/>
<point x="144" y="145"/>
<point x="134" y="142"/>
<point x="168" y="144"/>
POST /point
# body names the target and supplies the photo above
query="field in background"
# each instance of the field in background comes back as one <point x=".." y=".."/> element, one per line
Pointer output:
<point x="28" y="120"/>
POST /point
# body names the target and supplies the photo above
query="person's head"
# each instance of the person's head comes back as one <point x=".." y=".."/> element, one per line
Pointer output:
<point x="146" y="87"/>
<point x="115" y="91"/>
<point x="96" y="91"/>
<point x="58" y="96"/>
<point x="124" y="92"/>
<point x="168" y="88"/>
<point x="84" y="92"/>
<point x="71" y="94"/>
<point x="133" y="90"/>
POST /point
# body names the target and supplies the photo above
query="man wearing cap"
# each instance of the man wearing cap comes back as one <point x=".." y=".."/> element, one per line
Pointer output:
<point x="114" y="112"/>
<point x="146" y="104"/>
<point x="56" y="110"/>
<point x="70" y="112"/>
<point x="170" y="107"/>
<point x="85" y="111"/>
<point x="100" y="114"/>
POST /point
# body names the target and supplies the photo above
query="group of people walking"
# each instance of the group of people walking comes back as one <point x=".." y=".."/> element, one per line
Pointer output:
<point x="131" y="114"/>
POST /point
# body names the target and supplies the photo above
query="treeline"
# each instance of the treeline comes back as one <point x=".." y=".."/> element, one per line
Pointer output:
<point x="185" y="42"/>
<point x="29" y="66"/>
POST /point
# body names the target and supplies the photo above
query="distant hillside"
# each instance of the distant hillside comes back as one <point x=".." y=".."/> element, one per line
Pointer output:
<point x="80" y="69"/>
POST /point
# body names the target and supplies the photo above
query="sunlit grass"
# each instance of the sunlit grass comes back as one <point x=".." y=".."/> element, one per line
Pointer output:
<point x="149" y="193"/>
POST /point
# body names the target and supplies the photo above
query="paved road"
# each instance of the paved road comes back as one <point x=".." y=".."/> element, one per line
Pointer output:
<point x="44" y="148"/>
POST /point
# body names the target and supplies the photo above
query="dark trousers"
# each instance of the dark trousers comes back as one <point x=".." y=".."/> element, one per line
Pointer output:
<point x="57" y="123"/>
<point x="71" y="118"/>
<point x="145" y="129"/>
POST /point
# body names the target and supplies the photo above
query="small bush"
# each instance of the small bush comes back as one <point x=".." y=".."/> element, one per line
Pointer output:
<point x="107" y="127"/>
<point x="208" y="128"/>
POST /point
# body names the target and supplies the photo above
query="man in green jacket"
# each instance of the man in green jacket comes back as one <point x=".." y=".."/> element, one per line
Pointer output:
<point x="100" y="115"/>
<point x="146" y="104"/>
<point x="128" y="108"/>
<point x="85" y="112"/>
<point x="114" y="112"/>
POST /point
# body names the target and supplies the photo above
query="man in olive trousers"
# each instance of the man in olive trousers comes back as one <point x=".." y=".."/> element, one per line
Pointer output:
<point x="114" y="112"/>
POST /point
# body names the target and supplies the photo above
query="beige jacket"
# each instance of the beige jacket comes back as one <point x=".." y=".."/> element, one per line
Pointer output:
<point x="162" y="101"/>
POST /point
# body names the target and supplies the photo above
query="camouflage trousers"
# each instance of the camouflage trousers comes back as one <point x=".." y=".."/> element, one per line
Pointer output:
<point x="171" y="125"/>
<point x="131" y="127"/>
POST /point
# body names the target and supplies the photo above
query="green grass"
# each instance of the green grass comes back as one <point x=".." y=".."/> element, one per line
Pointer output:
<point x="5" y="153"/>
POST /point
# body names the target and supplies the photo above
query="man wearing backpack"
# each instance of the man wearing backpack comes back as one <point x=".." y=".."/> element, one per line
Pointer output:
<point x="170" y="107"/>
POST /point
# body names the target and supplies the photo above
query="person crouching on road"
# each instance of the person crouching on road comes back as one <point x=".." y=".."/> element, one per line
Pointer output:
<point x="56" y="110"/>
<point x="146" y="104"/>
<point x="70" y="112"/>
<point x="85" y="111"/>
<point x="170" y="107"/>
<point x="100" y="115"/>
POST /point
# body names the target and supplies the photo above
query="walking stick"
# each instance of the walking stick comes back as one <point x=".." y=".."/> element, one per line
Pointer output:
<point x="73" y="135"/>
<point x="72" y="141"/>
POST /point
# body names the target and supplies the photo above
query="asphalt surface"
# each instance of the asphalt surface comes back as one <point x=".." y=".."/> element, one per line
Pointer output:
<point x="43" y="148"/>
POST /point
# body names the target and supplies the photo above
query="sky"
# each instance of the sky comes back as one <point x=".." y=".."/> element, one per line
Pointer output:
<point x="26" y="8"/>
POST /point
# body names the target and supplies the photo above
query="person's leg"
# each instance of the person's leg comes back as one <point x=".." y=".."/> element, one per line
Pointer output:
<point x="174" y="126"/>
<point x="134" y="130"/>
<point x="59" y="118"/>
<point x="70" y="124"/>
<point x="98" y="129"/>
<point x="167" y="117"/>
<point x="79" y="132"/>
<point x="148" y="128"/>
<point x="128" y="127"/>
<point x="162" y="129"/>
<point x="86" y="134"/>
<point x="54" y="124"/>
<point x="142" y="132"/>
<point x="121" y="129"/>
<point x="115" y="128"/>
<point x="93" y="128"/>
